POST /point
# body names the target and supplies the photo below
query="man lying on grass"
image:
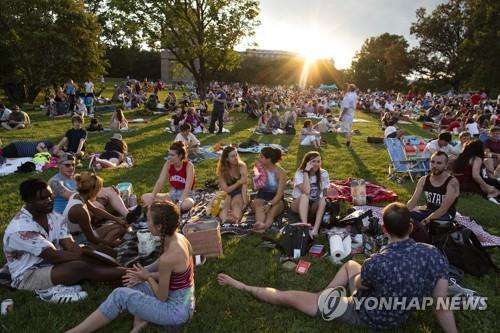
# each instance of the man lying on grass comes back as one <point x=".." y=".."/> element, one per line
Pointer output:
<point x="403" y="268"/>
<point x="39" y="250"/>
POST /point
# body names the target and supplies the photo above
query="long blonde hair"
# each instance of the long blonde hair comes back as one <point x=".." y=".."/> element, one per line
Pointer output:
<point x="223" y="166"/>
<point x="88" y="184"/>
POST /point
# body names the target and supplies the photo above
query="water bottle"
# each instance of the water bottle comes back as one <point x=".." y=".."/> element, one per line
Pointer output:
<point x="354" y="188"/>
<point x="132" y="200"/>
<point x="326" y="218"/>
<point x="361" y="193"/>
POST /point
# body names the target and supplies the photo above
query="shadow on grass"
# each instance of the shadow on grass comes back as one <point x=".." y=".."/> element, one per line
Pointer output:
<point x="363" y="170"/>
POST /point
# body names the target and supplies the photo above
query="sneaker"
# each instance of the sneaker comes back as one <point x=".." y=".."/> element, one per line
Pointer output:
<point x="64" y="297"/>
<point x="58" y="289"/>
<point x="494" y="200"/>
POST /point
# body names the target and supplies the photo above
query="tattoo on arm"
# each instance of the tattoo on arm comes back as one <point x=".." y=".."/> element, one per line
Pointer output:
<point x="59" y="189"/>
<point x="455" y="186"/>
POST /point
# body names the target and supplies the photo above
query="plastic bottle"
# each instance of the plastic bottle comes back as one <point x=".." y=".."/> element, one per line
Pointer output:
<point x="354" y="188"/>
<point x="326" y="218"/>
<point x="132" y="200"/>
<point x="218" y="202"/>
<point x="361" y="193"/>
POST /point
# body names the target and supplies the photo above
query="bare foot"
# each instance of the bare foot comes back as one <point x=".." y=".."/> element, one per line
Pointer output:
<point x="139" y="324"/>
<point x="259" y="227"/>
<point x="225" y="279"/>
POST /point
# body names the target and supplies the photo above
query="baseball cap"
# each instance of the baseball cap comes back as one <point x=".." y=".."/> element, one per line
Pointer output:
<point x="65" y="158"/>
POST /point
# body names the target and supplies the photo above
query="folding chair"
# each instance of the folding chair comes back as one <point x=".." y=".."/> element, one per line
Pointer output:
<point x="400" y="163"/>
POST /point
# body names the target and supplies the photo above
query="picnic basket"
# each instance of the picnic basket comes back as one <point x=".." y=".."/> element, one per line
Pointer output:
<point x="204" y="237"/>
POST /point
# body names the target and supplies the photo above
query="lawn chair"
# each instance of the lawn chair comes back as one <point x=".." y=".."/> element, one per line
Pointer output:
<point x="400" y="163"/>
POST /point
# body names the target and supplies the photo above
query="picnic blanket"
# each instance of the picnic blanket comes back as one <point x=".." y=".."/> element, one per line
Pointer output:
<point x="484" y="237"/>
<point x="256" y="149"/>
<point x="11" y="165"/>
<point x="206" y="152"/>
<point x="341" y="190"/>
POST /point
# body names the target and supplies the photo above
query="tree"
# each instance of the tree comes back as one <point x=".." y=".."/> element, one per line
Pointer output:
<point x="482" y="44"/>
<point x="383" y="62"/>
<point x="45" y="42"/>
<point x="440" y="56"/>
<point x="200" y="34"/>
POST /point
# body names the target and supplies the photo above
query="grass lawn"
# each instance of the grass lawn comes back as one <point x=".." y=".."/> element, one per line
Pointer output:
<point x="222" y="309"/>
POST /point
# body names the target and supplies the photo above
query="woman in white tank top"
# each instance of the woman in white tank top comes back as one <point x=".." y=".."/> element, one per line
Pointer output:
<point x="79" y="209"/>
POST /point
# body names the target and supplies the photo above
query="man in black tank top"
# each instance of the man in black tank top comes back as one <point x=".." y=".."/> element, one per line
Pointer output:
<point x="440" y="190"/>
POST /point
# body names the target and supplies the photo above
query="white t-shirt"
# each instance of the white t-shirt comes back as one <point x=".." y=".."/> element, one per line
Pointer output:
<point x="89" y="87"/>
<point x="313" y="193"/>
<point x="25" y="239"/>
<point x="189" y="142"/>
<point x="350" y="101"/>
<point x="472" y="128"/>
<point x="433" y="147"/>
<point x="324" y="126"/>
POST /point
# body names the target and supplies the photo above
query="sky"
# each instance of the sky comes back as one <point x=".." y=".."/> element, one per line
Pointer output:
<point x="332" y="28"/>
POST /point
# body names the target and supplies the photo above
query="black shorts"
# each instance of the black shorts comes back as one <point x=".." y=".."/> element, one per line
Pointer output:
<point x="107" y="155"/>
<point x="267" y="196"/>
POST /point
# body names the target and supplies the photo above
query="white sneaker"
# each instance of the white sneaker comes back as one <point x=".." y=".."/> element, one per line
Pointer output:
<point x="64" y="297"/>
<point x="58" y="289"/>
<point x="494" y="200"/>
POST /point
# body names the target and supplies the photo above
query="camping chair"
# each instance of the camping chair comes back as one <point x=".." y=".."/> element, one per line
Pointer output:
<point x="400" y="163"/>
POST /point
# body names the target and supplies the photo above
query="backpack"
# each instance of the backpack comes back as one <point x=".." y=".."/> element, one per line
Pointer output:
<point x="290" y="129"/>
<point x="26" y="167"/>
<point x="294" y="238"/>
<point x="463" y="250"/>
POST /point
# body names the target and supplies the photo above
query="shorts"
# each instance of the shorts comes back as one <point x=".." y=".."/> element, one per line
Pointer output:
<point x="308" y="140"/>
<point x="235" y="193"/>
<point x="267" y="196"/>
<point x="346" y="125"/>
<point x="107" y="155"/>
<point x="36" y="278"/>
<point x="350" y="315"/>
<point x="176" y="194"/>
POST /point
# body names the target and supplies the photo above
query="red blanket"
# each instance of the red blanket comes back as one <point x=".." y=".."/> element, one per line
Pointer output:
<point x="341" y="190"/>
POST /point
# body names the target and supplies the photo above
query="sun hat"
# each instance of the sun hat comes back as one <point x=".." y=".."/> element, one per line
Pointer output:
<point x="117" y="136"/>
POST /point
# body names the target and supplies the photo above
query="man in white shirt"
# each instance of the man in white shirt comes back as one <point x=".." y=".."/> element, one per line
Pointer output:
<point x="325" y="125"/>
<point x="442" y="143"/>
<point x="347" y="115"/>
<point x="4" y="116"/>
<point x="89" y="87"/>
<point x="39" y="250"/>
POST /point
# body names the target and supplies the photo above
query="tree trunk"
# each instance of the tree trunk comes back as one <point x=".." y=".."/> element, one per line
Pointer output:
<point x="16" y="93"/>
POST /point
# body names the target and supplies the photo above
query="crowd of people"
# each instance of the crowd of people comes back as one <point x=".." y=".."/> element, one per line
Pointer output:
<point x="41" y="243"/>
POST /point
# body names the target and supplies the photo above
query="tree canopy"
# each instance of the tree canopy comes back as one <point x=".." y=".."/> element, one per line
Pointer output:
<point x="383" y="62"/>
<point x="199" y="34"/>
<point x="46" y="42"/>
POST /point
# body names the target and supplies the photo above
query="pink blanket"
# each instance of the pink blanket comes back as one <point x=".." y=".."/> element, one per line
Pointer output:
<point x="484" y="237"/>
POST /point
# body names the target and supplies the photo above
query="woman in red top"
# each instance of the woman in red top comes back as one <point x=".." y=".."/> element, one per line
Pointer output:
<point x="180" y="174"/>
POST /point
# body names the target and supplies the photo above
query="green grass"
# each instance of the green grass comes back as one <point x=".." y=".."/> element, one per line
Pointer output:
<point x="223" y="309"/>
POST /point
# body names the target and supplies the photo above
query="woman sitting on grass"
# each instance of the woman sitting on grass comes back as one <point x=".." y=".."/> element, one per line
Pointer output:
<point x="309" y="136"/>
<point x="309" y="190"/>
<point x="471" y="172"/>
<point x="118" y="122"/>
<point x="163" y="294"/>
<point x="180" y="174"/>
<point x="232" y="173"/>
<point x="269" y="182"/>
<point x="78" y="214"/>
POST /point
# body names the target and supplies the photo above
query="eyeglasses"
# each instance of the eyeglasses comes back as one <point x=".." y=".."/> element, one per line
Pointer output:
<point x="69" y="165"/>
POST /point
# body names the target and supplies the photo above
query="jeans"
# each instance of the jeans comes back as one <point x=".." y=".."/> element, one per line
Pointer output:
<point x="216" y="115"/>
<point x="140" y="301"/>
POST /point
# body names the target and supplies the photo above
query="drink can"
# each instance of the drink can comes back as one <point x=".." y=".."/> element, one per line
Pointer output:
<point x="132" y="200"/>
<point x="7" y="306"/>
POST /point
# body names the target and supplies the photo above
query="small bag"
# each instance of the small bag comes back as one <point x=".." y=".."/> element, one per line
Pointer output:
<point x="126" y="191"/>
<point x="26" y="167"/>
<point x="295" y="239"/>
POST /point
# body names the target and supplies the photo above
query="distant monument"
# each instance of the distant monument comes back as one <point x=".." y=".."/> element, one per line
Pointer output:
<point x="171" y="70"/>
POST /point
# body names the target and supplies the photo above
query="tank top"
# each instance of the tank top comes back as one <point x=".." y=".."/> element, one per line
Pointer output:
<point x="72" y="226"/>
<point x="182" y="280"/>
<point x="177" y="178"/>
<point x="272" y="183"/>
<point x="434" y="196"/>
